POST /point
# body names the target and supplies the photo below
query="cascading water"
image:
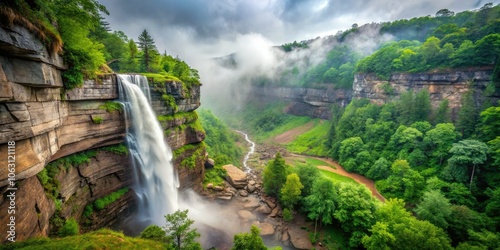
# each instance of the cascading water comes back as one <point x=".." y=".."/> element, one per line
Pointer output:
<point x="249" y="153"/>
<point x="155" y="180"/>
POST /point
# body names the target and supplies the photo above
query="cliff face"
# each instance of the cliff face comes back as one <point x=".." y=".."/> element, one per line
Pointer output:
<point x="47" y="128"/>
<point x="447" y="85"/>
<point x="313" y="102"/>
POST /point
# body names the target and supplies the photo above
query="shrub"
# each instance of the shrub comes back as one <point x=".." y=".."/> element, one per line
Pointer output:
<point x="69" y="228"/>
<point x="287" y="215"/>
<point x="111" y="106"/>
<point x="154" y="232"/>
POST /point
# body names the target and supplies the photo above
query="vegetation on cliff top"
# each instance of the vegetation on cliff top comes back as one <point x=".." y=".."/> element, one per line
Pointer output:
<point x="76" y="29"/>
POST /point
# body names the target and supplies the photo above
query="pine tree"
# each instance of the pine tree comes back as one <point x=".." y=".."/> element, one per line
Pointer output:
<point x="149" y="51"/>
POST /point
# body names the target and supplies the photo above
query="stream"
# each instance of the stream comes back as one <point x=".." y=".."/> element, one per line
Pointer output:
<point x="249" y="153"/>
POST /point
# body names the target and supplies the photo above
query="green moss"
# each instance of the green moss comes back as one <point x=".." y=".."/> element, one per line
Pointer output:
<point x="196" y="126"/>
<point x="170" y="102"/>
<point x="101" y="203"/>
<point x="100" y="239"/>
<point x="160" y="77"/>
<point x="215" y="176"/>
<point x="195" y="152"/>
<point x="119" y="149"/>
<point x="110" y="106"/>
<point x="188" y="116"/>
<point x="97" y="119"/>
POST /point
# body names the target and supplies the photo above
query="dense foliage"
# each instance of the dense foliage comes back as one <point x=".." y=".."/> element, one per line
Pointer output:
<point x="76" y="29"/>
<point x="220" y="140"/>
<point x="442" y="169"/>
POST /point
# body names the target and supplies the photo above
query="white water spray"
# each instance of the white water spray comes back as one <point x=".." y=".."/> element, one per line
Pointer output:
<point x="155" y="179"/>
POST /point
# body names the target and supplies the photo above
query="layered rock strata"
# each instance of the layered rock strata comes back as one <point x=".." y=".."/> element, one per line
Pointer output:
<point x="47" y="124"/>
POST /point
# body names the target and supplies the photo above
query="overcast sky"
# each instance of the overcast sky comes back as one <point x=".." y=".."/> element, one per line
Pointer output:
<point x="207" y="28"/>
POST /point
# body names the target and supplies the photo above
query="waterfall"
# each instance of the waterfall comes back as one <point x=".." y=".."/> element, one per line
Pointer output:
<point x="155" y="178"/>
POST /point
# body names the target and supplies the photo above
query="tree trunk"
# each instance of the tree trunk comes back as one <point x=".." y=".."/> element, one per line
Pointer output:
<point x="472" y="176"/>
<point x="315" y="225"/>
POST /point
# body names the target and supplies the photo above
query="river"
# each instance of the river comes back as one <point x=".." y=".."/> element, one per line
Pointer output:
<point x="249" y="153"/>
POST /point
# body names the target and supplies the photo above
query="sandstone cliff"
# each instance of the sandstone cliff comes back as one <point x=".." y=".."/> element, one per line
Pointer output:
<point x="49" y="124"/>
<point x="313" y="102"/>
<point x="440" y="85"/>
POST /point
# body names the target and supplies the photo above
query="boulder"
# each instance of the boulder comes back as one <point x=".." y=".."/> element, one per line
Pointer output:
<point x="246" y="215"/>
<point x="235" y="176"/>
<point x="251" y="182"/>
<point x="243" y="193"/>
<point x="218" y="188"/>
<point x="284" y="236"/>
<point x="263" y="209"/>
<point x="250" y="188"/>
<point x="224" y="196"/>
<point x="210" y="163"/>
<point x="210" y="185"/>
<point x="299" y="237"/>
<point x="269" y="202"/>
<point x="251" y="203"/>
<point x="266" y="229"/>
<point x="275" y="212"/>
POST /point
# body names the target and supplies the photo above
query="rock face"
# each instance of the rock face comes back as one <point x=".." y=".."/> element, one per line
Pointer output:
<point x="313" y="102"/>
<point x="46" y="126"/>
<point x="440" y="85"/>
<point x="235" y="176"/>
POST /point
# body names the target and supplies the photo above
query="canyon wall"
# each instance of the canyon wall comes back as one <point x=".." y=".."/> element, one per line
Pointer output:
<point x="68" y="150"/>
<point x="440" y="85"/>
<point x="314" y="102"/>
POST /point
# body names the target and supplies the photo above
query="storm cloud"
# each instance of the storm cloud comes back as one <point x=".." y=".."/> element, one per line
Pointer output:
<point x="172" y="22"/>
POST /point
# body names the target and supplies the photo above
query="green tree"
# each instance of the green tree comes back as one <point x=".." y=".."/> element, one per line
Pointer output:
<point x="291" y="190"/>
<point x="275" y="175"/>
<point x="434" y="208"/>
<point x="397" y="229"/>
<point x="381" y="169"/>
<point x="250" y="240"/>
<point x="467" y="115"/>
<point x="148" y="49"/>
<point x="178" y="230"/>
<point x="307" y="175"/>
<point x="404" y="182"/>
<point x="349" y="148"/>
<point x="354" y="210"/>
<point x="442" y="114"/>
<point x="466" y="153"/>
<point x="439" y="140"/>
<point x="462" y="219"/>
<point x="320" y="204"/>
<point x="490" y="123"/>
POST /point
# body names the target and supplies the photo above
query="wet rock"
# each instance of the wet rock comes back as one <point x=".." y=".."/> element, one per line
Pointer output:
<point x="235" y="176"/>
<point x="299" y="237"/>
<point x="269" y="202"/>
<point x="243" y="193"/>
<point x="224" y="196"/>
<point x="250" y="188"/>
<point x="251" y="204"/>
<point x="246" y="215"/>
<point x="266" y="229"/>
<point x="263" y="209"/>
<point x="275" y="212"/>
<point x="284" y="236"/>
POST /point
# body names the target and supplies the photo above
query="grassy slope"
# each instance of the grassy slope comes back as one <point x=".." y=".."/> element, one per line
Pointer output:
<point x="313" y="141"/>
<point x="101" y="239"/>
